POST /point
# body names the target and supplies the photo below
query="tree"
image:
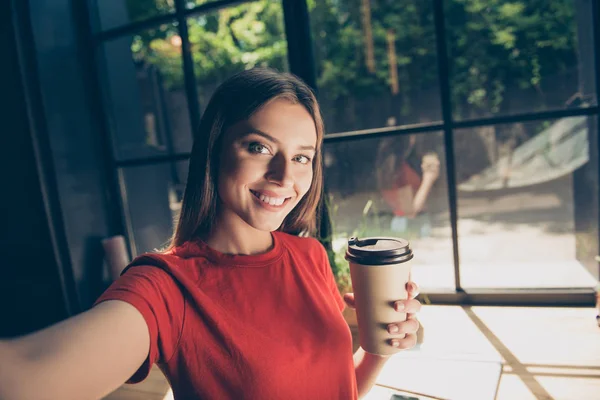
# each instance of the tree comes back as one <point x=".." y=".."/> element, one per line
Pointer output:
<point x="497" y="44"/>
<point x="495" y="47"/>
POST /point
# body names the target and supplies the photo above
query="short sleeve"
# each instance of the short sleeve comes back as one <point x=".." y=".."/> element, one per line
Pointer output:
<point x="154" y="293"/>
<point x="329" y="278"/>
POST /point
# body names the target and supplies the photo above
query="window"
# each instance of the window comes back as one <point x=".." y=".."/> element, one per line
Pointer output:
<point x="518" y="209"/>
<point x="145" y="93"/>
<point x="374" y="187"/>
<point x="110" y="14"/>
<point x="233" y="39"/>
<point x="520" y="190"/>
<point x="496" y="98"/>
<point x="376" y="63"/>
<point x="508" y="57"/>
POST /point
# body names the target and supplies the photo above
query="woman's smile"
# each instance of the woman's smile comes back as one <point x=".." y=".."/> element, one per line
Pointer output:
<point x="270" y="200"/>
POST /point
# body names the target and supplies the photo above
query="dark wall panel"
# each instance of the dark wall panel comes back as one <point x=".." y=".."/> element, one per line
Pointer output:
<point x="31" y="295"/>
<point x="73" y="125"/>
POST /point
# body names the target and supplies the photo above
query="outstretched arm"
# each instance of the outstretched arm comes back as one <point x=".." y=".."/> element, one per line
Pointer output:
<point x="84" y="357"/>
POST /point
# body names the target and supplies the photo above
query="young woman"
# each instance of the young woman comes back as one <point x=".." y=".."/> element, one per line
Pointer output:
<point x="242" y="305"/>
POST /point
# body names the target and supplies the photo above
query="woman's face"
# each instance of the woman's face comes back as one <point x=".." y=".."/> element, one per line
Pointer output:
<point x="266" y="165"/>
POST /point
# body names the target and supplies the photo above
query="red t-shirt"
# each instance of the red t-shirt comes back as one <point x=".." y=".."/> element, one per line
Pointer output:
<point x="266" y="326"/>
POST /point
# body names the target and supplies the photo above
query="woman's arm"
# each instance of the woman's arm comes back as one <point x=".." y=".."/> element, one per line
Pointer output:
<point x="367" y="367"/>
<point x="84" y="357"/>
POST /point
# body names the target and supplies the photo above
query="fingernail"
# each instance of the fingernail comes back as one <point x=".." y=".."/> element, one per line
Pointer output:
<point x="393" y="329"/>
<point x="399" y="306"/>
<point x="395" y="343"/>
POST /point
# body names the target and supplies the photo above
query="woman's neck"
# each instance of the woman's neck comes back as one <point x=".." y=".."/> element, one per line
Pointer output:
<point x="234" y="236"/>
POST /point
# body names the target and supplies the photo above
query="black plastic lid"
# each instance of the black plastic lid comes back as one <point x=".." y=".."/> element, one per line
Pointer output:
<point x="378" y="251"/>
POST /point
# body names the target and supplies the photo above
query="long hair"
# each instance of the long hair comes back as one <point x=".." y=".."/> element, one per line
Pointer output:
<point x="235" y="100"/>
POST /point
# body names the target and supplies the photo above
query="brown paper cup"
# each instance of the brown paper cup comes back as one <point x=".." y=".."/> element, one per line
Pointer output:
<point x="380" y="269"/>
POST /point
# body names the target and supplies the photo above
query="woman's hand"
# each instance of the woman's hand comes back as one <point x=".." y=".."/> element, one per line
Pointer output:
<point x="411" y="306"/>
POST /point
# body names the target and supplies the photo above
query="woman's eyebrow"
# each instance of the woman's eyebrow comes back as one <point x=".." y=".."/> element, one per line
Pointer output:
<point x="311" y="148"/>
<point x="261" y="133"/>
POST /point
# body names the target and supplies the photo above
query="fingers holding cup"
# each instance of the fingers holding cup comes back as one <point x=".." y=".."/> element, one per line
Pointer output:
<point x="380" y="270"/>
<point x="405" y="343"/>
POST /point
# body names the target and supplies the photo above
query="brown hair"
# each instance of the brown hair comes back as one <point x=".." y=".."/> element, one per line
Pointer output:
<point x="235" y="100"/>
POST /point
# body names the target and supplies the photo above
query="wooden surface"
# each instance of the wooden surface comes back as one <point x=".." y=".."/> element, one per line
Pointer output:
<point x="547" y="353"/>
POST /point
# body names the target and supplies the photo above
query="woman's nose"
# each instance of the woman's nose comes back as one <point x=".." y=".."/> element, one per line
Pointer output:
<point x="280" y="171"/>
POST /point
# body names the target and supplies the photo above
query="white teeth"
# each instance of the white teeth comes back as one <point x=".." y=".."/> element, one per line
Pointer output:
<point x="274" y="201"/>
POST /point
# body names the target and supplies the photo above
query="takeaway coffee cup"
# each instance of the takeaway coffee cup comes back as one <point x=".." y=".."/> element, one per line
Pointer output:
<point x="380" y="269"/>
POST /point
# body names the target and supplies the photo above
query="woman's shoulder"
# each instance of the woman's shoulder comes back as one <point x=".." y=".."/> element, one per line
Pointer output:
<point x="173" y="262"/>
<point x="157" y="258"/>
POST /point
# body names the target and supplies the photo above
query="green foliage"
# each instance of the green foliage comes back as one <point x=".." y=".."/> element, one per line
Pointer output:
<point x="493" y="44"/>
<point x="222" y="43"/>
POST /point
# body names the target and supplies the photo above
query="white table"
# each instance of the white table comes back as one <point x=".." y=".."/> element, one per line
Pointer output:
<point x="456" y="361"/>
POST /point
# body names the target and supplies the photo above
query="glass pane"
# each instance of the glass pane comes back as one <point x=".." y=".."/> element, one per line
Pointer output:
<point x="376" y="63"/>
<point x="393" y="186"/>
<point x="195" y="3"/>
<point x="145" y="94"/>
<point x="114" y="13"/>
<point x="153" y="199"/>
<point x="231" y="40"/>
<point x="525" y="204"/>
<point x="511" y="57"/>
